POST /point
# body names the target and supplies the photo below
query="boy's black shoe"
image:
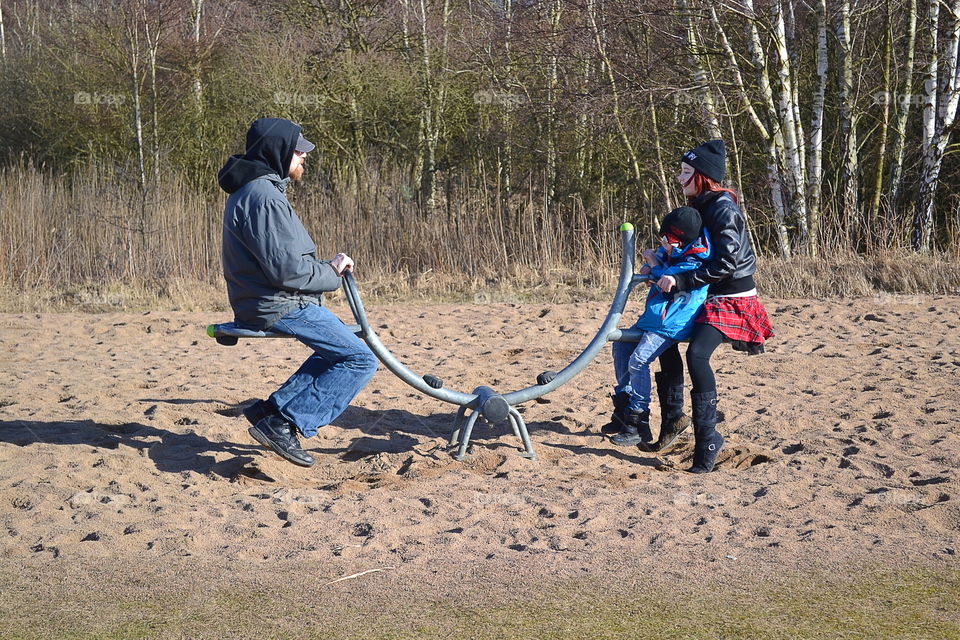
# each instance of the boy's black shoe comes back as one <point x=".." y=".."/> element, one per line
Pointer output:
<point x="620" y="402"/>
<point x="258" y="411"/>
<point x="281" y="436"/>
<point x="636" y="429"/>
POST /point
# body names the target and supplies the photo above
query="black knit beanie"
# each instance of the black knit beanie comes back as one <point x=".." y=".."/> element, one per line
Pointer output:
<point x="709" y="159"/>
<point x="682" y="223"/>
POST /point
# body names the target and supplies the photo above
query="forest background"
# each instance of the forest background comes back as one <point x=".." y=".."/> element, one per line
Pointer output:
<point x="476" y="147"/>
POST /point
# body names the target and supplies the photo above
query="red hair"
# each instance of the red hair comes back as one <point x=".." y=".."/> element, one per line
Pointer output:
<point x="703" y="184"/>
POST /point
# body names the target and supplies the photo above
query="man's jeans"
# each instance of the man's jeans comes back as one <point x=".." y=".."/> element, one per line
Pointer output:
<point x="631" y="364"/>
<point x="327" y="381"/>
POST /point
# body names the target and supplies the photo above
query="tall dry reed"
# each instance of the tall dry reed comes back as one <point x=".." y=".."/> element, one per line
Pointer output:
<point x="94" y="240"/>
<point x="95" y="228"/>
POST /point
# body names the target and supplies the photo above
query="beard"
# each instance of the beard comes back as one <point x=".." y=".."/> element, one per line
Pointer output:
<point x="296" y="174"/>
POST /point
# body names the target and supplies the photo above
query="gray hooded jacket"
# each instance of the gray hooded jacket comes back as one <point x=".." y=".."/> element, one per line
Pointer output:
<point x="269" y="259"/>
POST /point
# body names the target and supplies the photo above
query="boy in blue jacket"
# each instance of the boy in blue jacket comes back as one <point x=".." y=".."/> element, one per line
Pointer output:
<point x="667" y="319"/>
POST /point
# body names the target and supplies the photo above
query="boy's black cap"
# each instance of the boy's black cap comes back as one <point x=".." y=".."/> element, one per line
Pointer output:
<point x="709" y="159"/>
<point x="683" y="223"/>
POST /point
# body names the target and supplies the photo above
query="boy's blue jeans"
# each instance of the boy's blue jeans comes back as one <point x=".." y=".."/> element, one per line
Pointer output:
<point x="323" y="386"/>
<point x="631" y="365"/>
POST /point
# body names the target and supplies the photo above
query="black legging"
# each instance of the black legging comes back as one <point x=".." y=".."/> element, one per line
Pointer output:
<point x="703" y="342"/>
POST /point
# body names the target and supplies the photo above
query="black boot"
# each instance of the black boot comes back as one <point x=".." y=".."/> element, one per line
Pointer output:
<point x="620" y="402"/>
<point x="672" y="420"/>
<point x="708" y="441"/>
<point x="636" y="429"/>
<point x="258" y="411"/>
<point x="279" y="434"/>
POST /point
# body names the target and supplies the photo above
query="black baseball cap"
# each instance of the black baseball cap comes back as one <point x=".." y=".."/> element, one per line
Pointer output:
<point x="304" y="145"/>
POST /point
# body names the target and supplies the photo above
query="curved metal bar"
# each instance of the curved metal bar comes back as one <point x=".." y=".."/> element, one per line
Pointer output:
<point x="625" y="335"/>
<point x="353" y="301"/>
<point x="624" y="287"/>
<point x="388" y="359"/>
<point x="604" y="334"/>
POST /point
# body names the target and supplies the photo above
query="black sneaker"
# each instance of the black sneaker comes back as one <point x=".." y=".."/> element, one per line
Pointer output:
<point x="258" y="411"/>
<point x="281" y="436"/>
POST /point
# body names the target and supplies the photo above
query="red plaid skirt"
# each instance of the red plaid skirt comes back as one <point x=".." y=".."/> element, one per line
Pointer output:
<point x="739" y="319"/>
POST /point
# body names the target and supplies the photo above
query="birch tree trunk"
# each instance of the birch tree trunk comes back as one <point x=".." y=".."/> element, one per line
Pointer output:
<point x="940" y="110"/>
<point x="771" y="131"/>
<point x="849" y="173"/>
<point x="794" y="48"/>
<point x="583" y="130"/>
<point x="428" y="148"/>
<point x="3" y="36"/>
<point x="895" y="186"/>
<point x="661" y="174"/>
<point x="416" y="170"/>
<point x="133" y="43"/>
<point x="136" y="234"/>
<point x="874" y="210"/>
<point x="795" y="182"/>
<point x="441" y="93"/>
<point x="505" y="157"/>
<point x="196" y="16"/>
<point x="553" y="80"/>
<point x="815" y="149"/>
<point x="153" y="44"/>
<point x="928" y="174"/>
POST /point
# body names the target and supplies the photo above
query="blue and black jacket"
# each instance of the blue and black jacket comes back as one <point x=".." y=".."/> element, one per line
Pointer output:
<point x="671" y="315"/>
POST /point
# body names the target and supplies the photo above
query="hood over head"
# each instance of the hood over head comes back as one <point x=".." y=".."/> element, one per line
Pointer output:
<point x="270" y="145"/>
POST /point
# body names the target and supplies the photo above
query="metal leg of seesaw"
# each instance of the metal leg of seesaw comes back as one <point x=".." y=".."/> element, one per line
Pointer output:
<point x="465" y="438"/>
<point x="463" y="429"/>
<point x="520" y="428"/>
<point x="457" y="425"/>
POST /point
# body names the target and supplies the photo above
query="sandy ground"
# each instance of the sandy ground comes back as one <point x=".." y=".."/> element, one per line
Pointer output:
<point x="122" y="451"/>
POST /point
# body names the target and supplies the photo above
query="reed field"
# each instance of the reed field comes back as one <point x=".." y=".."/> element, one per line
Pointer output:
<point x="90" y="241"/>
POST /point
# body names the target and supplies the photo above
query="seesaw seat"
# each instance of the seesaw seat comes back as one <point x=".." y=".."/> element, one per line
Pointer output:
<point x="229" y="333"/>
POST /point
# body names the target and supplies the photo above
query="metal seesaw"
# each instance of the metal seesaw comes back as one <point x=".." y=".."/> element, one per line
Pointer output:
<point x="482" y="401"/>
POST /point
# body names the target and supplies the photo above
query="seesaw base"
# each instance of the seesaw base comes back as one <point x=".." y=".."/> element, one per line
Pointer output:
<point x="463" y="429"/>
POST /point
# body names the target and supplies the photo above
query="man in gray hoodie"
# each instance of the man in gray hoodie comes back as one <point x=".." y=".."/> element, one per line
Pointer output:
<point x="275" y="281"/>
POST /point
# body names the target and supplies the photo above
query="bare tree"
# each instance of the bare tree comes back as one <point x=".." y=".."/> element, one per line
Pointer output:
<point x="767" y="125"/>
<point x="153" y="31"/>
<point x="554" y="13"/>
<point x="616" y="108"/>
<point x="788" y="111"/>
<point x="850" y="167"/>
<point x="885" y="99"/>
<point x="132" y="48"/>
<point x="903" y="106"/>
<point x="433" y="101"/>
<point x="701" y="80"/>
